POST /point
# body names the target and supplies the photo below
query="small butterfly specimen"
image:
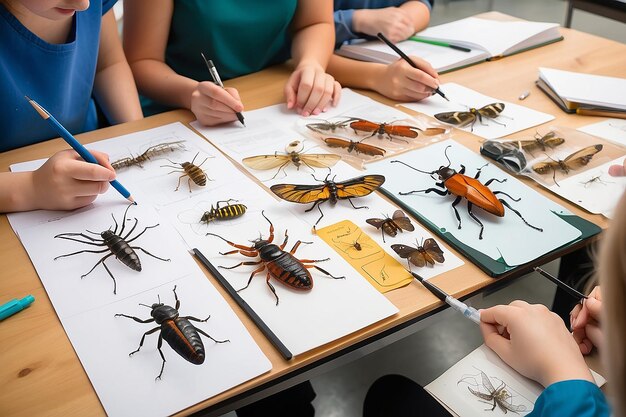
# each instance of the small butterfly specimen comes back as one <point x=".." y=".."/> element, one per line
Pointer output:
<point x="391" y="226"/>
<point x="574" y="161"/>
<point x="464" y="118"/>
<point x="549" y="140"/>
<point x="426" y="254"/>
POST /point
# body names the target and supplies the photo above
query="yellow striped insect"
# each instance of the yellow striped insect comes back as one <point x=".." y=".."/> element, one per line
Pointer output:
<point x="201" y="215"/>
<point x="464" y="118"/>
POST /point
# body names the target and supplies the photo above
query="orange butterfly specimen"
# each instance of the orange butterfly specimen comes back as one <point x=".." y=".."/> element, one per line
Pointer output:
<point x="357" y="147"/>
<point x="464" y="118"/>
<point x="574" y="161"/>
<point x="391" y="130"/>
<point x="426" y="254"/>
<point x="293" y="155"/>
<point x="397" y="223"/>
<point x="329" y="190"/>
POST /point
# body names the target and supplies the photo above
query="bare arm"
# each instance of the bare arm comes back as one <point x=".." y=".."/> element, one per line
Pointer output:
<point x="396" y="23"/>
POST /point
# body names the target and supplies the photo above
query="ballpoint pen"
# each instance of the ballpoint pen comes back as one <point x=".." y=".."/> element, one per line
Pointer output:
<point x="406" y="58"/>
<point x="467" y="311"/>
<point x="216" y="78"/>
<point x="76" y="145"/>
<point x="14" y="306"/>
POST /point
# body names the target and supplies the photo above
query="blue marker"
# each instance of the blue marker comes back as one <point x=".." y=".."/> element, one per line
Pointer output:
<point x="15" y="306"/>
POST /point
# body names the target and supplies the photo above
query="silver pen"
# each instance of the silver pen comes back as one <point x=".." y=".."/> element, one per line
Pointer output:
<point x="217" y="80"/>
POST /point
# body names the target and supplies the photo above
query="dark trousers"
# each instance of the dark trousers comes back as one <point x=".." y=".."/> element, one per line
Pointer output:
<point x="292" y="402"/>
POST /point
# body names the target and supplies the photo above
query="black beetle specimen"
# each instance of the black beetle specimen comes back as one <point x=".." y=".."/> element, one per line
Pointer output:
<point x="115" y="243"/>
<point x="178" y="332"/>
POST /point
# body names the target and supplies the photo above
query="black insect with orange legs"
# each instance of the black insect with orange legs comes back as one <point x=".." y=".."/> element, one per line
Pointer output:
<point x="281" y="265"/>
<point x="476" y="193"/>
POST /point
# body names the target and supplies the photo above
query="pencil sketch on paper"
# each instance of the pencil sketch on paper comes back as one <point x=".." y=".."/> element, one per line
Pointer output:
<point x="481" y="386"/>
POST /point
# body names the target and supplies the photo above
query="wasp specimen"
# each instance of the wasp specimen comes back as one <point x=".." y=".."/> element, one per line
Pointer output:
<point x="549" y="140"/>
<point x="499" y="396"/>
<point x="117" y="244"/>
<point x="506" y="153"/>
<point x="223" y="210"/>
<point x="391" y="226"/>
<point x="356" y="147"/>
<point x="149" y="153"/>
<point x="293" y="155"/>
<point x="427" y="253"/>
<point x="193" y="172"/>
<point x="464" y="118"/>
<point x="281" y="265"/>
<point x="328" y="126"/>
<point x="476" y="193"/>
<point x="574" y="161"/>
<point x="329" y="190"/>
<point x="177" y="330"/>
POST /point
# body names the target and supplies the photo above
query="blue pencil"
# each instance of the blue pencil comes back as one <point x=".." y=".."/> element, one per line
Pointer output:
<point x="76" y="145"/>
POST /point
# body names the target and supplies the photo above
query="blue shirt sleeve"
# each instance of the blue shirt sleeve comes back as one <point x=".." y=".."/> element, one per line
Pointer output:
<point x="575" y="398"/>
<point x="107" y="5"/>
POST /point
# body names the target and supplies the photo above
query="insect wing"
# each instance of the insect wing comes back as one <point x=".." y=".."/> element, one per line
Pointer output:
<point x="582" y="157"/>
<point x="359" y="187"/>
<point x="545" y="166"/>
<point x="265" y="162"/>
<point x="412" y="254"/>
<point x="402" y="221"/>
<point x="486" y="397"/>
<point x="320" y="160"/>
<point x="377" y="223"/>
<point x="302" y="194"/>
<point x="364" y="125"/>
<point x="492" y="110"/>
<point x="370" y="150"/>
<point x="433" y="131"/>
<point x="338" y="143"/>
<point x="405" y="131"/>
<point x="432" y="248"/>
<point x="458" y="118"/>
<point x="487" y="383"/>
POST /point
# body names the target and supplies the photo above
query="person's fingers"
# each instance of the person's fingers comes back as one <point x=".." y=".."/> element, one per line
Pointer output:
<point x="82" y="170"/>
<point x="495" y="341"/>
<point x="336" y="94"/>
<point x="82" y="201"/>
<point x="425" y="66"/>
<point x="519" y="303"/>
<point x="89" y="188"/>
<point x="498" y="315"/>
<point x="574" y="314"/>
<point x="103" y="159"/>
<point x="329" y="86"/>
<point x="583" y="317"/>
<point x="235" y="93"/>
<point x="618" y="170"/>
<point x="220" y="95"/>
<point x="594" y="307"/>
<point x="594" y="335"/>
<point x="290" y="91"/>
<point x="308" y="93"/>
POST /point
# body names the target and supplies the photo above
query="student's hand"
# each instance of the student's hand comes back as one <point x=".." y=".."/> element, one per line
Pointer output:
<point x="66" y="181"/>
<point x="393" y="22"/>
<point x="400" y="81"/>
<point x="618" y="170"/>
<point x="585" y="323"/>
<point x="533" y="341"/>
<point x="310" y="90"/>
<point x="214" y="105"/>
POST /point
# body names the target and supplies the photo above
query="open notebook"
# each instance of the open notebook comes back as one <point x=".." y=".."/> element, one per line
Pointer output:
<point x="486" y="39"/>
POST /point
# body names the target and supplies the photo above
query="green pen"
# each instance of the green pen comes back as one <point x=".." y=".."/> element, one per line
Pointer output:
<point x="439" y="43"/>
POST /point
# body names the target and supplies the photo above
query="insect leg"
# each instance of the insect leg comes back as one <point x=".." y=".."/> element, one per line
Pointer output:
<point x="112" y="277"/>
<point x="188" y="182"/>
<point x="503" y="193"/>
<point x="159" y="344"/>
<point x="234" y="245"/>
<point x="282" y="246"/>
<point x="123" y="220"/>
<point x="82" y="251"/>
<point x="206" y="334"/>
<point x="256" y="271"/>
<point x="148" y="253"/>
<point x="80" y="241"/>
<point x="325" y="272"/>
<point x="520" y="215"/>
<point x="473" y="216"/>
<point x="144" y="335"/>
<point x="297" y="245"/>
<point x="355" y="207"/>
<point x="132" y="229"/>
<point x="456" y="201"/>
<point x="137" y="319"/>
<point x="241" y="264"/>
<point x="269" y="284"/>
<point x="495" y="179"/>
<point x="64" y="236"/>
<point x="194" y="158"/>
<point x="428" y="190"/>
<point x="382" y="232"/>
<point x="179" y="178"/>
<point x="243" y="252"/>
<point x="270" y="239"/>
<point x="144" y="231"/>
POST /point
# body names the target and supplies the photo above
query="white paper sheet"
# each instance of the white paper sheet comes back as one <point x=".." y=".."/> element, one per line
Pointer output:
<point x="512" y="119"/>
<point x="610" y="129"/>
<point x="497" y="237"/>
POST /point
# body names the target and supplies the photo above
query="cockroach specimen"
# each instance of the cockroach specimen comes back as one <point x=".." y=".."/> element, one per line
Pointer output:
<point x="476" y="193"/>
<point x="193" y="172"/>
<point x="281" y="265"/>
<point x="357" y="147"/>
<point x="576" y="160"/>
<point x="178" y="332"/>
<point x="149" y="153"/>
<point x="392" y="226"/>
<point x="499" y="396"/>
<point x="427" y="253"/>
<point x="328" y="126"/>
<point x="464" y="118"/>
<point x="549" y="140"/>
<point x="117" y="244"/>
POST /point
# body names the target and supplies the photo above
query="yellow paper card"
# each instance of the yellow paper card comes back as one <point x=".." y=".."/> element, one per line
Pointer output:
<point x="365" y="255"/>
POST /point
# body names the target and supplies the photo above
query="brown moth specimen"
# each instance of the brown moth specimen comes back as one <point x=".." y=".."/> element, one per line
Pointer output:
<point x="191" y="171"/>
<point x="356" y="147"/>
<point x="426" y="254"/>
<point x="464" y="118"/>
<point x="549" y="140"/>
<point x="574" y="161"/>
<point x="391" y="226"/>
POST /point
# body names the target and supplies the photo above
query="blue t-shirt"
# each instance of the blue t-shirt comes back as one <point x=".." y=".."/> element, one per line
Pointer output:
<point x="60" y="77"/>
<point x="574" y="398"/>
<point x="344" y="10"/>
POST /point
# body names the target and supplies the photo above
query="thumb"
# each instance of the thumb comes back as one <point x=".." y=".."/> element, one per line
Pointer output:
<point x="595" y="307"/>
<point x="496" y="342"/>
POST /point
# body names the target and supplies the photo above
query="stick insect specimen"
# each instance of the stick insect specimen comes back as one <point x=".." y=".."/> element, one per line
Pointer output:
<point x="191" y="171"/>
<point x="326" y="126"/>
<point x="177" y="330"/>
<point x="295" y="155"/>
<point x="595" y="179"/>
<point x="357" y="147"/>
<point x="329" y="190"/>
<point x="149" y="153"/>
<point x="392" y="226"/>
<point x="223" y="210"/>
<point x="426" y="253"/>
<point x="499" y="397"/>
<point x="464" y="118"/>
<point x="574" y="161"/>
<point x="281" y="265"/>
<point x="117" y="244"/>
<point x="476" y="193"/>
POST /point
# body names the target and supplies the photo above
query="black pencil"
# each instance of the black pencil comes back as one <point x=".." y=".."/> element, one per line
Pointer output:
<point x="571" y="291"/>
<point x="242" y="303"/>
<point x="406" y="58"/>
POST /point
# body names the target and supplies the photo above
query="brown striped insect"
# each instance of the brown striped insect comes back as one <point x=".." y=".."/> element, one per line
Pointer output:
<point x="425" y="254"/>
<point x="328" y="126"/>
<point x="193" y="172"/>
<point x="117" y="244"/>
<point x="464" y="118"/>
<point x="391" y="226"/>
<point x="201" y="216"/>
<point x="177" y="330"/>
<point x="549" y="140"/>
<point x="356" y="147"/>
<point x="149" y="153"/>
<point x="384" y="129"/>
<point x="281" y="265"/>
<point x="574" y="161"/>
<point x="294" y="155"/>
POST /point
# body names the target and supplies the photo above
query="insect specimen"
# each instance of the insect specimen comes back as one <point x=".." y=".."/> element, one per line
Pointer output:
<point x="595" y="179"/>
<point x="177" y="330"/>
<point x="427" y="253"/>
<point x="357" y="147"/>
<point x="392" y="226"/>
<point x="506" y="153"/>
<point x="574" y="161"/>
<point x="464" y="118"/>
<point x="149" y="153"/>
<point x="476" y="193"/>
<point x="549" y="140"/>
<point x="499" y="396"/>
<point x="351" y="245"/>
<point x="329" y="190"/>
<point x="281" y="265"/>
<point x="327" y="126"/>
<point x="295" y="156"/>
<point x="117" y="244"/>
<point x="191" y="171"/>
<point x="197" y="216"/>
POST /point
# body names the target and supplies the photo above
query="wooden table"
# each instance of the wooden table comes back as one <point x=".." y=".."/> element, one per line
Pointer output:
<point x="41" y="375"/>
